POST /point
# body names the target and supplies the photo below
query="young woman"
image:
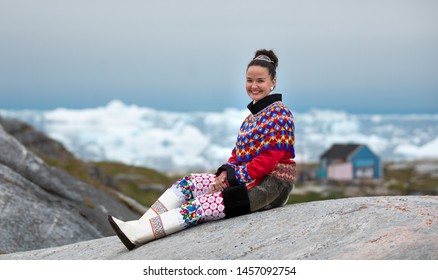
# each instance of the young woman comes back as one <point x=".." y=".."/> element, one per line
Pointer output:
<point x="258" y="176"/>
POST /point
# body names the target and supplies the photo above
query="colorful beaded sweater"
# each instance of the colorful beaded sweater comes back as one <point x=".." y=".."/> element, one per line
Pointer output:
<point x="265" y="144"/>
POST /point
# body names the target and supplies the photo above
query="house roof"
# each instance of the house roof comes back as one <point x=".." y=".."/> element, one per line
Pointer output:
<point x="340" y="150"/>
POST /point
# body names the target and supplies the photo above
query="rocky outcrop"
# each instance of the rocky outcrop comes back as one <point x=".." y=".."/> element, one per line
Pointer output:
<point x="36" y="141"/>
<point x="42" y="206"/>
<point x="402" y="227"/>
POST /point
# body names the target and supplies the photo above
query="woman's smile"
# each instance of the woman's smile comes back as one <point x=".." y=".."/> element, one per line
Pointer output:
<point x="258" y="82"/>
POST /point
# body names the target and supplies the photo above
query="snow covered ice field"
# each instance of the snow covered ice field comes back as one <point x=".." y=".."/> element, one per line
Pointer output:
<point x="174" y="141"/>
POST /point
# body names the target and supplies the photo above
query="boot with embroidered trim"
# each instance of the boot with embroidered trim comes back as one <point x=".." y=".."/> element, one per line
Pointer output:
<point x="138" y="232"/>
<point x="206" y="207"/>
<point x="167" y="201"/>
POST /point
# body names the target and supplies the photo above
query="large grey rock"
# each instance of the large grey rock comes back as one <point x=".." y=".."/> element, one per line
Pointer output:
<point x="35" y="140"/>
<point x="43" y="206"/>
<point x="353" y="228"/>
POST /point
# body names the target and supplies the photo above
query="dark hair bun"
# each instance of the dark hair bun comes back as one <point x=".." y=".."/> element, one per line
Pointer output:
<point x="268" y="53"/>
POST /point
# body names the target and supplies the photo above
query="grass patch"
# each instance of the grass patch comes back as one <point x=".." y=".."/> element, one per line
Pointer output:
<point x="313" y="196"/>
<point x="145" y="197"/>
<point x="407" y="181"/>
<point x="129" y="180"/>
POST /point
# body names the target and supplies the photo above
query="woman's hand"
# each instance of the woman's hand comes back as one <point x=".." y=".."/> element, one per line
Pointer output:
<point x="220" y="183"/>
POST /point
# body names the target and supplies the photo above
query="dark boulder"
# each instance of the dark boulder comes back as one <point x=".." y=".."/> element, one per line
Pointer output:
<point x="43" y="206"/>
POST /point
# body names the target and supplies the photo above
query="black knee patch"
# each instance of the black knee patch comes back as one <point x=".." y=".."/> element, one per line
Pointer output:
<point x="236" y="201"/>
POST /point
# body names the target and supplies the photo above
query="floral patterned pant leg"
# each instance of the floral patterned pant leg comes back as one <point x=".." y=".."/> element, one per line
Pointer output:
<point x="203" y="208"/>
<point x="192" y="186"/>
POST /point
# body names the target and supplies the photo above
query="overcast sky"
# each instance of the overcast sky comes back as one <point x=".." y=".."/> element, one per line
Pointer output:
<point x="375" y="56"/>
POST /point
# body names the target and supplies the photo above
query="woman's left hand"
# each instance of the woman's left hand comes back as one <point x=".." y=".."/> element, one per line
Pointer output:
<point x="220" y="183"/>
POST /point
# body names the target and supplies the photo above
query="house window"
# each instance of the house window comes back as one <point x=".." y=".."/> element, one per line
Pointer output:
<point x="364" y="172"/>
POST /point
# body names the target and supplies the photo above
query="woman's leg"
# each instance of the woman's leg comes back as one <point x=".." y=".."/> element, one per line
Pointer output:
<point x="205" y="207"/>
<point x="179" y="193"/>
<point x="270" y="193"/>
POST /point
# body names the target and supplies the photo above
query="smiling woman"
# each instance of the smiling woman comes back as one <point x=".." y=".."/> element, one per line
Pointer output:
<point x="261" y="75"/>
<point x="258" y="176"/>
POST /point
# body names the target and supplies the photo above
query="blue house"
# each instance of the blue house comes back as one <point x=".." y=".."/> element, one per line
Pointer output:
<point x="349" y="162"/>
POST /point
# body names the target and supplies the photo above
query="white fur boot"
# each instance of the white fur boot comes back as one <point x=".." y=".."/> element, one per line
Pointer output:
<point x="168" y="200"/>
<point x="138" y="232"/>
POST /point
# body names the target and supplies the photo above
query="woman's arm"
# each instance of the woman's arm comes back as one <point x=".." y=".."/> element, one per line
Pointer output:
<point x="257" y="168"/>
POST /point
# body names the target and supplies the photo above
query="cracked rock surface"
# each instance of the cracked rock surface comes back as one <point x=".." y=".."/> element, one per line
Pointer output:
<point x="353" y="228"/>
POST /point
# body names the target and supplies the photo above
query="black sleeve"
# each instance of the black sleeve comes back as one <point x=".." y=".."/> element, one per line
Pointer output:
<point x="231" y="175"/>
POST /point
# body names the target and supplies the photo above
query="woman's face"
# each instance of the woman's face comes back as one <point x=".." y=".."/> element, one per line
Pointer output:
<point x="258" y="82"/>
